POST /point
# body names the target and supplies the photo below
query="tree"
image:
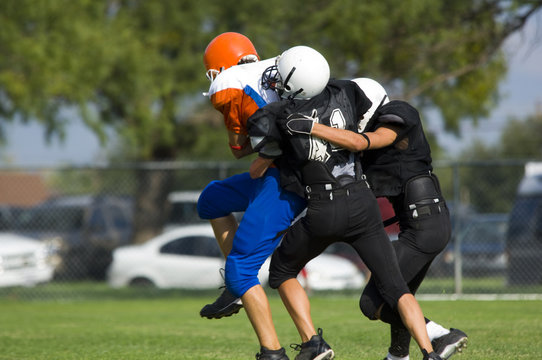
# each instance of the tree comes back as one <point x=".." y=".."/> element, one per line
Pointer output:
<point x="521" y="138"/>
<point x="135" y="66"/>
<point x="440" y="54"/>
<point x="487" y="176"/>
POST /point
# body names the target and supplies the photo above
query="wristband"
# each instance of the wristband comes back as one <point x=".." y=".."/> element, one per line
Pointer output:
<point x="368" y="140"/>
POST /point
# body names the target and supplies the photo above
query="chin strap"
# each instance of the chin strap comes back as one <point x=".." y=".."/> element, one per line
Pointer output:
<point x="293" y="95"/>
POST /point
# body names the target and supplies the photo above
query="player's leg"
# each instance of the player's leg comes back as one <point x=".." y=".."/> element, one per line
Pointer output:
<point x="295" y="251"/>
<point x="224" y="229"/>
<point x="259" y="313"/>
<point x="413" y="264"/>
<point x="377" y="253"/>
<point x="269" y="213"/>
<point x="425" y="232"/>
<point x="217" y="202"/>
<point x="406" y="305"/>
<point x="420" y="241"/>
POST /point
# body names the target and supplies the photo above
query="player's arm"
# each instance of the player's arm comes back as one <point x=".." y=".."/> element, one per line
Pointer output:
<point x="382" y="137"/>
<point x="259" y="166"/>
<point x="239" y="144"/>
<point x="228" y="102"/>
<point x="264" y="139"/>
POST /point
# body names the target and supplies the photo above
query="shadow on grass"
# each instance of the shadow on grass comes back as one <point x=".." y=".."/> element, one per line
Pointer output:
<point x="90" y="290"/>
<point x="96" y="290"/>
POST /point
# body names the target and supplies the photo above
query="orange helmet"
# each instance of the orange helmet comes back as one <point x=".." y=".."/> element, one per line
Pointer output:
<point x="226" y="50"/>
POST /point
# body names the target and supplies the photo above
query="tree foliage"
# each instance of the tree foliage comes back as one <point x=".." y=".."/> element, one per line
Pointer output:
<point x="123" y="64"/>
<point x="135" y="65"/>
<point x="521" y="138"/>
<point x="491" y="186"/>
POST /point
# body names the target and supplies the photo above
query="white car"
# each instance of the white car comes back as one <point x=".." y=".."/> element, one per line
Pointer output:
<point x="23" y="261"/>
<point x="188" y="257"/>
<point x="331" y="272"/>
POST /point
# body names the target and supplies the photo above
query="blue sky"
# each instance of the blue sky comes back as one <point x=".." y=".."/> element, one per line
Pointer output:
<point x="522" y="96"/>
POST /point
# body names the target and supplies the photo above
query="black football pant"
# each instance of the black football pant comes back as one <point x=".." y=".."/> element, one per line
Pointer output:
<point x="421" y="239"/>
<point x="352" y="215"/>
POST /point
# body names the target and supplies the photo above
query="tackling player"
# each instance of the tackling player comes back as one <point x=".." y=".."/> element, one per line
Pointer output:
<point x="340" y="203"/>
<point x="398" y="166"/>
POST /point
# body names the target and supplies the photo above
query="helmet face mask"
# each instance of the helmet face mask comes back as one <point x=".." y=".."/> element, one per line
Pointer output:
<point x="211" y="74"/>
<point x="271" y="79"/>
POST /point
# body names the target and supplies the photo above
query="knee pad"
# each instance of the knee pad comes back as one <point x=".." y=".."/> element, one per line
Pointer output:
<point x="278" y="273"/>
<point x="390" y="316"/>
<point x="368" y="307"/>
<point x="205" y="202"/>
<point x="276" y="280"/>
<point x="240" y="276"/>
<point x="238" y="286"/>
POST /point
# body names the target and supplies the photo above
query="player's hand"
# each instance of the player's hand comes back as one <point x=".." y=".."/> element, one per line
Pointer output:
<point x="300" y="124"/>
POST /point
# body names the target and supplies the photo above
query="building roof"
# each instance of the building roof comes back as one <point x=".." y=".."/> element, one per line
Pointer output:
<point x="22" y="189"/>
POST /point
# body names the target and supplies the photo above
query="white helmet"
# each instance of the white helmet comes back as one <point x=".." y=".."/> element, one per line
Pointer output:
<point x="300" y="72"/>
<point x="376" y="93"/>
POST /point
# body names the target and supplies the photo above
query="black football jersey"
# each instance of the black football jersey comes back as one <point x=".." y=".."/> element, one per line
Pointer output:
<point x="389" y="168"/>
<point x="306" y="159"/>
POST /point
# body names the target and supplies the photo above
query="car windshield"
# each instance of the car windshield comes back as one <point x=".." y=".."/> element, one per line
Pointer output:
<point x="486" y="233"/>
<point x="57" y="219"/>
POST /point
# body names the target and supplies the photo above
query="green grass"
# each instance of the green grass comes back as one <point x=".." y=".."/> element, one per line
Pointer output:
<point x="128" y="324"/>
<point x="474" y="285"/>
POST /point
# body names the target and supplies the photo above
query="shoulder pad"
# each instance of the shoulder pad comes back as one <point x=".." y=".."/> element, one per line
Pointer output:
<point x="398" y="112"/>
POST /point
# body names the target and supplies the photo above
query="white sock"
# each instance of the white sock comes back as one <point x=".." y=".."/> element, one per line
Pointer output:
<point x="435" y="330"/>
<point x="393" y="357"/>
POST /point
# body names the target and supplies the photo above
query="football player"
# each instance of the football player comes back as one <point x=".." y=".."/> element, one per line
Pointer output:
<point x="236" y="91"/>
<point x="340" y="204"/>
<point x="397" y="161"/>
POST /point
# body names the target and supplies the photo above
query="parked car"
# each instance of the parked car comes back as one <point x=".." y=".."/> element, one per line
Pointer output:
<point x="346" y="251"/>
<point x="8" y="217"/>
<point x="460" y="213"/>
<point x="482" y="243"/>
<point x="524" y="237"/>
<point x="84" y="230"/>
<point x="331" y="272"/>
<point x="23" y="261"/>
<point x="182" y="209"/>
<point x="188" y="257"/>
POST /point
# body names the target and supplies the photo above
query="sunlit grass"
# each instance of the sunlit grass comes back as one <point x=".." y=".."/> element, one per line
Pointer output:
<point x="102" y="323"/>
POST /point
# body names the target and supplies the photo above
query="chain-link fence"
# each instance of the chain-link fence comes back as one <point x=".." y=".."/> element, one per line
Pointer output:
<point x="61" y="226"/>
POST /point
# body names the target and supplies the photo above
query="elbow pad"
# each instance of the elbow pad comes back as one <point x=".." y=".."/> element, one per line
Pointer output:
<point x="271" y="150"/>
<point x="264" y="134"/>
<point x="391" y="119"/>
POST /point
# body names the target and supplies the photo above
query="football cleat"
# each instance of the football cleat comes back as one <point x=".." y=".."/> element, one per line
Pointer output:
<point x="266" y="354"/>
<point x="314" y="349"/>
<point x="226" y="304"/>
<point x="451" y="343"/>
<point x="431" y="356"/>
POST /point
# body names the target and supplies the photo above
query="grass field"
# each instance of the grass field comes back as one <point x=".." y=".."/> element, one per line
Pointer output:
<point x="127" y="325"/>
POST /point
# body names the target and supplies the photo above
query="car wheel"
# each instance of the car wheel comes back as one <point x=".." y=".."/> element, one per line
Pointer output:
<point x="142" y="282"/>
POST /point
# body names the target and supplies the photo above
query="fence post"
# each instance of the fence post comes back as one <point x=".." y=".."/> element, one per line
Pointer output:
<point x="458" y="276"/>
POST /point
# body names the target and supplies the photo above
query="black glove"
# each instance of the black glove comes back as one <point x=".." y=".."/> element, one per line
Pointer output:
<point x="301" y="124"/>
